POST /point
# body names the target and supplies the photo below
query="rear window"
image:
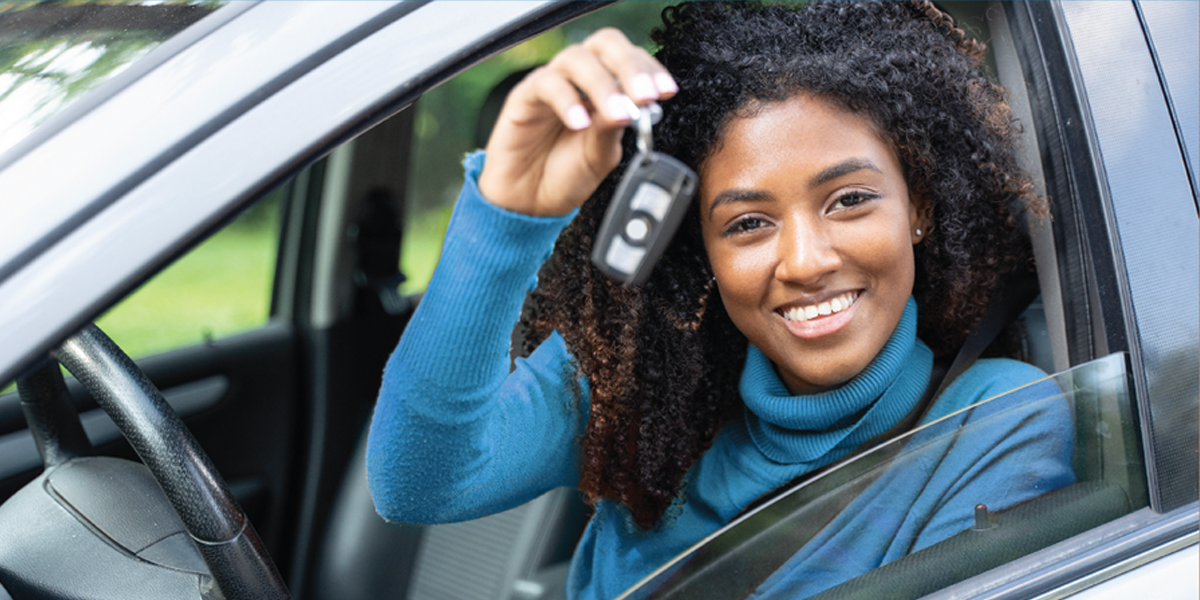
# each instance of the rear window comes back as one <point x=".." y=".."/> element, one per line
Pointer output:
<point x="53" y="53"/>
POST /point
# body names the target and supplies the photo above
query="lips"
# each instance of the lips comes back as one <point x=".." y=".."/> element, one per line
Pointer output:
<point x="822" y="309"/>
<point x="798" y="322"/>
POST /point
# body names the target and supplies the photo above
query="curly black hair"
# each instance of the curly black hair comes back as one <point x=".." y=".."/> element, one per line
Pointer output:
<point x="663" y="360"/>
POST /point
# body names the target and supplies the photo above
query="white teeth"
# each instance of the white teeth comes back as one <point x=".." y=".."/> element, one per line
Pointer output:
<point x="835" y="305"/>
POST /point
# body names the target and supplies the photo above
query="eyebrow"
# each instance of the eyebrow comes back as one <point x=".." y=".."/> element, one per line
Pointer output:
<point x="843" y="168"/>
<point x="731" y="196"/>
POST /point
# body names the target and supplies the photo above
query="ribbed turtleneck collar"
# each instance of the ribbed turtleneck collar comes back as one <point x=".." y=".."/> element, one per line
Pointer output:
<point x="821" y="428"/>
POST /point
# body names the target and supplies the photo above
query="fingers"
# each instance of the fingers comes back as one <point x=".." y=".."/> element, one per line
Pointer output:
<point x="582" y="70"/>
<point x="639" y="74"/>
<point x="557" y="93"/>
<point x="559" y="133"/>
<point x="584" y="83"/>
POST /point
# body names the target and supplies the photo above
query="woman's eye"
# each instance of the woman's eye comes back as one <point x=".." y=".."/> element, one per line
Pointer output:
<point x="744" y="225"/>
<point x="850" y="200"/>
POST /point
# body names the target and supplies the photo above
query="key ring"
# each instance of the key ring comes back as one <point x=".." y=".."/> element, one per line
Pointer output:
<point x="644" y="118"/>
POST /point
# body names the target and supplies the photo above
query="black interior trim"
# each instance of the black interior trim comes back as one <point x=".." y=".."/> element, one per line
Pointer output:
<point x="1094" y="328"/>
<point x="346" y="361"/>
<point x="249" y="433"/>
<point x="20" y="455"/>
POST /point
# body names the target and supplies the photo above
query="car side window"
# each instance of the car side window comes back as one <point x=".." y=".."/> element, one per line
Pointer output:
<point x="1091" y="402"/>
<point x="457" y="117"/>
<point x="219" y="288"/>
<point x="784" y="547"/>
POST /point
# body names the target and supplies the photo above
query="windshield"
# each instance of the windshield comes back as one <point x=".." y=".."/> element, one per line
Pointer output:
<point x="775" y="551"/>
<point x="52" y="53"/>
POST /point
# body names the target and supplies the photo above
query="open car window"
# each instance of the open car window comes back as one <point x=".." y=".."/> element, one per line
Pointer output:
<point x="220" y="288"/>
<point x="788" y="546"/>
<point x="457" y="117"/>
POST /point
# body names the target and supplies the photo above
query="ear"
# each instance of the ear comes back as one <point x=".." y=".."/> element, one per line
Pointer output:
<point x="920" y="217"/>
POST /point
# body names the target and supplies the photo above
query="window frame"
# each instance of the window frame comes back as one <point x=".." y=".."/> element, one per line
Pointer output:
<point x="1093" y="243"/>
<point x="1089" y="242"/>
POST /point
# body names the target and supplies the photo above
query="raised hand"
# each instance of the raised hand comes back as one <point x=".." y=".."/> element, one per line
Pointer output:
<point x="559" y="133"/>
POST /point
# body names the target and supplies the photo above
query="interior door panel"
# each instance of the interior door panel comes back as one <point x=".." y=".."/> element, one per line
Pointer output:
<point x="237" y="395"/>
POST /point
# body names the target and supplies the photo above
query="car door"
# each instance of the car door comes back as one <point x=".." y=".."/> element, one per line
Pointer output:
<point x="216" y="329"/>
<point x="1106" y="93"/>
<point x="1112" y="113"/>
<point x="293" y="388"/>
<point x="243" y="110"/>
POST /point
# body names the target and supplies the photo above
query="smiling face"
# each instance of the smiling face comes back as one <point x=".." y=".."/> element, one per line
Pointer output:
<point x="809" y="230"/>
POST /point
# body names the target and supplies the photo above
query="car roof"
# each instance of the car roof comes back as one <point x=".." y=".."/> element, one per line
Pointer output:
<point x="157" y="161"/>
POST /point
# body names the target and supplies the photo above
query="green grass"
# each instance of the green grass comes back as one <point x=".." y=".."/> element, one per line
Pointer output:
<point x="223" y="287"/>
<point x="422" y="247"/>
<point x="220" y="288"/>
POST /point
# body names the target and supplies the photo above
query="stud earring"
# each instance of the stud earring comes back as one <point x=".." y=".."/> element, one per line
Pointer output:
<point x="918" y="232"/>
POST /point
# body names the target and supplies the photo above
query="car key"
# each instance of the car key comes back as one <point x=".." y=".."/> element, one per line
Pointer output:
<point x="646" y="209"/>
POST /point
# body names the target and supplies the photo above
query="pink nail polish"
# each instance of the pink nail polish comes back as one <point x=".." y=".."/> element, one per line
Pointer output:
<point x="642" y="87"/>
<point x="577" y="117"/>
<point x="666" y="84"/>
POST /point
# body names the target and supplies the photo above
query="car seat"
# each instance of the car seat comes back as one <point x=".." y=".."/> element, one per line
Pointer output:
<point x="519" y="554"/>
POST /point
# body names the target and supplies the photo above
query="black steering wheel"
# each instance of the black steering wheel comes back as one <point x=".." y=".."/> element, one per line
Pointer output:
<point x="97" y="492"/>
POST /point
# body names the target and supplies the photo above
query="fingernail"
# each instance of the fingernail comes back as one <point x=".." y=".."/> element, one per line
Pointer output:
<point x="577" y="117"/>
<point x="620" y="107"/>
<point x="666" y="84"/>
<point x="642" y="87"/>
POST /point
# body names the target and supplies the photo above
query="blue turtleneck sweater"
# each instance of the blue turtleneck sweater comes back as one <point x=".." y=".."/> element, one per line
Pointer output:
<point x="456" y="436"/>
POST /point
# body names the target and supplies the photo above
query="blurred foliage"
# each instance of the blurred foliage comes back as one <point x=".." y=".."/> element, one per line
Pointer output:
<point x="53" y="52"/>
<point x="219" y="288"/>
<point x="447" y="125"/>
<point x="38" y="61"/>
<point x="422" y="245"/>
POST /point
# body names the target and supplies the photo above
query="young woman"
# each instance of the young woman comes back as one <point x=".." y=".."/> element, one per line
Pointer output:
<point x="854" y="165"/>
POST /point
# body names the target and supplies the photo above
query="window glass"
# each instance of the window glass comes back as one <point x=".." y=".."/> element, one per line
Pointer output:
<point x="219" y="288"/>
<point x="456" y="117"/>
<point x="781" y="547"/>
<point x="51" y="53"/>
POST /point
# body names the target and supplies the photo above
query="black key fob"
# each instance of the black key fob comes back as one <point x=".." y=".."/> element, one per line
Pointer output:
<point x="645" y="211"/>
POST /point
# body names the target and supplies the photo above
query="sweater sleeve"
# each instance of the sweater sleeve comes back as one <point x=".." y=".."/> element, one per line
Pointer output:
<point x="455" y="435"/>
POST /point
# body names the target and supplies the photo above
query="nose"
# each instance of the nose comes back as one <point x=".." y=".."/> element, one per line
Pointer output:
<point x="806" y="254"/>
